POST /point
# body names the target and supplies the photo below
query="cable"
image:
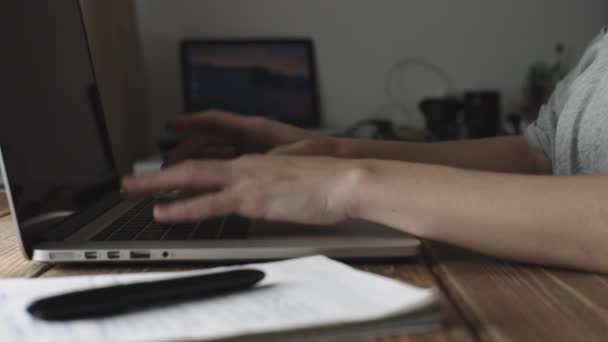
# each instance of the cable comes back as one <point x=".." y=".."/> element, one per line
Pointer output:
<point x="398" y="72"/>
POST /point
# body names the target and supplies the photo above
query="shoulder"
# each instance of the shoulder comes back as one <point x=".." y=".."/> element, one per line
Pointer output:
<point x="596" y="50"/>
<point x="584" y="75"/>
<point x="577" y="86"/>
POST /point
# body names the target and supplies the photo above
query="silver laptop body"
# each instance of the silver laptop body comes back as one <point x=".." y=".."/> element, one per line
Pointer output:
<point x="63" y="188"/>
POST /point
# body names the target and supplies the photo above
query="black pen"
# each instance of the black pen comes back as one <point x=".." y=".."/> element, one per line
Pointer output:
<point x="117" y="299"/>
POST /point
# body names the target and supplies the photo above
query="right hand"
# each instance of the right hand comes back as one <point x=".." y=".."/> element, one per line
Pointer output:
<point x="220" y="135"/>
<point x="314" y="190"/>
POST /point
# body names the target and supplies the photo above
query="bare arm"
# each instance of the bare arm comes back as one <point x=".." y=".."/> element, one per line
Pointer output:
<point x="216" y="134"/>
<point x="540" y="219"/>
<point x="532" y="218"/>
<point x="502" y="154"/>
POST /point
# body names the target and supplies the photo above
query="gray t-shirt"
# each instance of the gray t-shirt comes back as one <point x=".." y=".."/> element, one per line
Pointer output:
<point x="572" y="128"/>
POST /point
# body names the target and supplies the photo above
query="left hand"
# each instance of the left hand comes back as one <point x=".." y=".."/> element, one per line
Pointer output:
<point x="315" y="190"/>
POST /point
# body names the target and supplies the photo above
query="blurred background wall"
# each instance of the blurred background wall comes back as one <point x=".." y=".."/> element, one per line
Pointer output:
<point x="479" y="43"/>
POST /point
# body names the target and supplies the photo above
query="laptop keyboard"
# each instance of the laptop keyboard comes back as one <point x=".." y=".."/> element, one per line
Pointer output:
<point x="138" y="224"/>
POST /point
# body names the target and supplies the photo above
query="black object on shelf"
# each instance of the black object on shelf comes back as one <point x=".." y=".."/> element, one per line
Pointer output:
<point x="515" y="121"/>
<point x="482" y="114"/>
<point x="442" y="117"/>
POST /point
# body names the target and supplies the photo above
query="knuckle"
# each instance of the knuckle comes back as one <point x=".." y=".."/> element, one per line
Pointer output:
<point x="251" y="209"/>
<point x="259" y="124"/>
<point x="188" y="165"/>
<point x="188" y="172"/>
<point x="191" y="213"/>
<point x="308" y="142"/>
<point x="253" y="202"/>
<point x="256" y="120"/>
<point x="247" y="160"/>
<point x="170" y="213"/>
<point x="183" y="212"/>
<point x="216" y="205"/>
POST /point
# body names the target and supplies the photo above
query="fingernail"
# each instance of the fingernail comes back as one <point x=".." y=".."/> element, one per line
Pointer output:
<point x="158" y="210"/>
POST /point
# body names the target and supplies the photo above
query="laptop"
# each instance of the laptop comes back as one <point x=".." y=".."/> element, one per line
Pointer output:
<point x="62" y="185"/>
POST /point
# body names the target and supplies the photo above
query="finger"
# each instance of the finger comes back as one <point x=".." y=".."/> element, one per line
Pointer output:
<point x="196" y="147"/>
<point x="184" y="150"/>
<point x="207" y="119"/>
<point x="220" y="152"/>
<point x="197" y="208"/>
<point x="188" y="175"/>
<point x="216" y="153"/>
<point x="300" y="148"/>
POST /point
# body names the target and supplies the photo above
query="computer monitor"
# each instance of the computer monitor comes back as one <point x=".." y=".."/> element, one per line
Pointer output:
<point x="263" y="77"/>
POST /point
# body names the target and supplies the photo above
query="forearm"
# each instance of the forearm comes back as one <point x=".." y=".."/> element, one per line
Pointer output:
<point x="503" y="154"/>
<point x="540" y="219"/>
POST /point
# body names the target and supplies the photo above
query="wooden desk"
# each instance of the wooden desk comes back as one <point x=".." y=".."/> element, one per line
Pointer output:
<point x="484" y="299"/>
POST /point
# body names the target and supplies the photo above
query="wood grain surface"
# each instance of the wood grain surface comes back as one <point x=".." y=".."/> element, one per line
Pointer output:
<point x="12" y="261"/>
<point x="505" y="301"/>
<point x="4" y="210"/>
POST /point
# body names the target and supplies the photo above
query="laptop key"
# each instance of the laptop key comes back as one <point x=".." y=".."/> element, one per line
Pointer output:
<point x="208" y="229"/>
<point x="185" y="227"/>
<point x="131" y="219"/>
<point x="235" y="227"/>
<point x="153" y="231"/>
<point x="104" y="234"/>
<point x="180" y="231"/>
<point x="123" y="235"/>
<point x="151" y="235"/>
<point x="139" y="224"/>
<point x="111" y="229"/>
<point x="176" y="235"/>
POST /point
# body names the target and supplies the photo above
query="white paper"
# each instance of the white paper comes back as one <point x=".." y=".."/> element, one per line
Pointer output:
<point x="297" y="293"/>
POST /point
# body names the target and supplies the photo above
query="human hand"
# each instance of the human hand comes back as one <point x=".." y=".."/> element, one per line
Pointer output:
<point x="315" y="190"/>
<point x="221" y="135"/>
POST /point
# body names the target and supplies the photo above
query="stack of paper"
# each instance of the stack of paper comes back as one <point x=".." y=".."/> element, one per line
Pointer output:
<point x="315" y="296"/>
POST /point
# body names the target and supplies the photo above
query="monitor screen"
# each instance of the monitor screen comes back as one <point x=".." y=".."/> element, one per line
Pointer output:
<point x="52" y="133"/>
<point x="270" y="78"/>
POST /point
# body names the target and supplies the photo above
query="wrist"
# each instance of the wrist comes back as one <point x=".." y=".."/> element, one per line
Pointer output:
<point x="358" y="180"/>
<point x="376" y="195"/>
<point x="342" y="148"/>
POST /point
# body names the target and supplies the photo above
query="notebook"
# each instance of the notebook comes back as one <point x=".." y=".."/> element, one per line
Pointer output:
<point x="304" y="299"/>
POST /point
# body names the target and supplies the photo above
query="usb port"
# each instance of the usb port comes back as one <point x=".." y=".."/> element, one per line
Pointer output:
<point x="140" y="255"/>
<point x="90" y="255"/>
<point x="114" y="255"/>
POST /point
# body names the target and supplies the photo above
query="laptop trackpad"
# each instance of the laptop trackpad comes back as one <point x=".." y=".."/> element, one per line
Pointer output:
<point x="354" y="228"/>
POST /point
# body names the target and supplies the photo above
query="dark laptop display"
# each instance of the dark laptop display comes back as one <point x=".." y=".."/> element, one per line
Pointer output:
<point x="53" y="138"/>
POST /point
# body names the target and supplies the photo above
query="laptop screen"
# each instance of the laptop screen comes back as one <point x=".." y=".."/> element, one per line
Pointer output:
<point x="52" y="133"/>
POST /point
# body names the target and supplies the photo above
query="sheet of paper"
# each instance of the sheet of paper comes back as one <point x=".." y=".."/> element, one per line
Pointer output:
<point x="297" y="293"/>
